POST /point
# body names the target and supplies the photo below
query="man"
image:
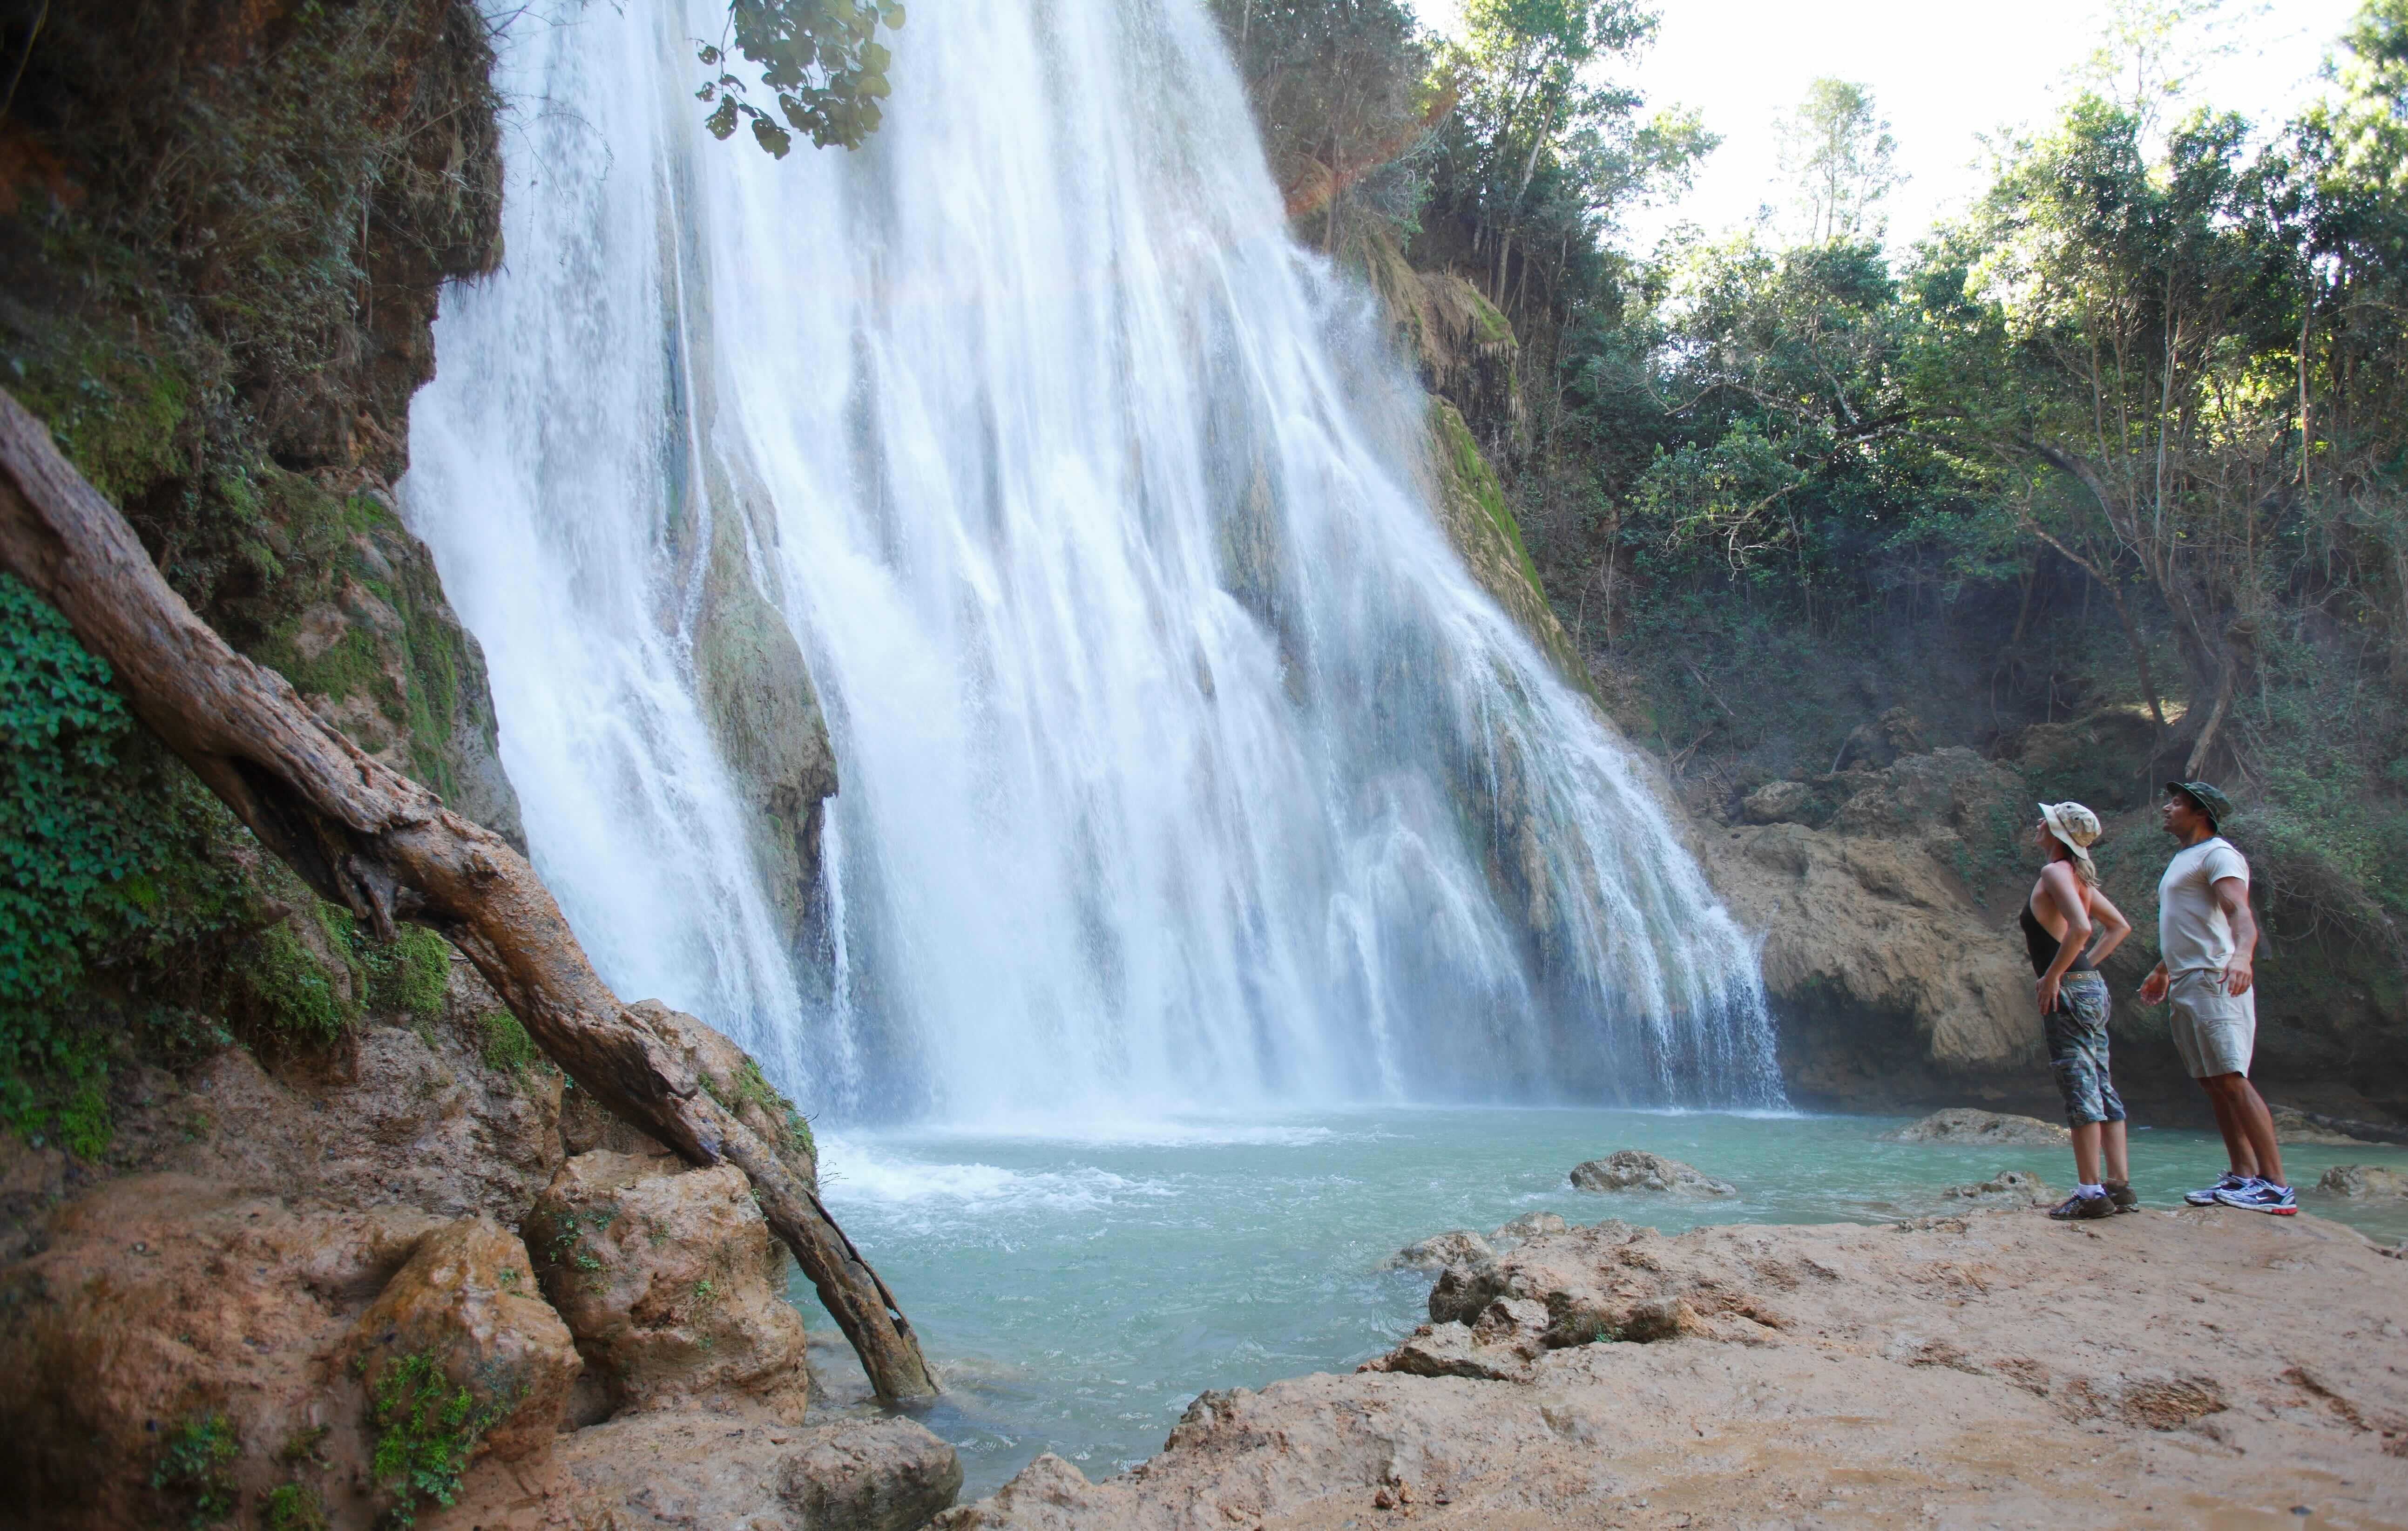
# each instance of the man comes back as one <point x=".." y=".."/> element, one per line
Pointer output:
<point x="2207" y="938"/>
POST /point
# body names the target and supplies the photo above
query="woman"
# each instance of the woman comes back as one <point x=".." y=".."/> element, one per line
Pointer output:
<point x="2058" y="917"/>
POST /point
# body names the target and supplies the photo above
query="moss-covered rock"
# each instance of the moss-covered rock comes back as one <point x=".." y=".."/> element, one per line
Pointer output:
<point x="223" y="227"/>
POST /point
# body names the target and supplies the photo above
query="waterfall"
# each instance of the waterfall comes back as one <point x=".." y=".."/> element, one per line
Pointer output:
<point x="1183" y="764"/>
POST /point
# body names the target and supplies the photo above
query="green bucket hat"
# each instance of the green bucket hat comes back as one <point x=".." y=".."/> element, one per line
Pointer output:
<point x="2211" y="802"/>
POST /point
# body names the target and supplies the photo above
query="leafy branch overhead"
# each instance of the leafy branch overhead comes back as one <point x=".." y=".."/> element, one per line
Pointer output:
<point x="820" y="59"/>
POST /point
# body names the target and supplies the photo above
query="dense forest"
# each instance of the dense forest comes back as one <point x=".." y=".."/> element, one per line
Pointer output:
<point x="2118" y="450"/>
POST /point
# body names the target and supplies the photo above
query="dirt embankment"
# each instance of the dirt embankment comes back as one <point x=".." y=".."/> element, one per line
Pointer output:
<point x="2166" y="1369"/>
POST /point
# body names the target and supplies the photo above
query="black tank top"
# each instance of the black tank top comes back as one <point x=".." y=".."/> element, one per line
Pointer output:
<point x="2043" y="947"/>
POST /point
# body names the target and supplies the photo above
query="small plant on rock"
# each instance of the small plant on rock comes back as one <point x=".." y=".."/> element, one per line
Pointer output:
<point x="425" y="1429"/>
<point x="196" y="1462"/>
<point x="295" y="1507"/>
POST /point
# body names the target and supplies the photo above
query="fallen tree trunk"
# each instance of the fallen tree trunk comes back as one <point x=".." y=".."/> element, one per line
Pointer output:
<point x="386" y="848"/>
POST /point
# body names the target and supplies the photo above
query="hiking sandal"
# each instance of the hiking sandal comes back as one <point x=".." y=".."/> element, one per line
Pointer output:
<point x="2120" y="1193"/>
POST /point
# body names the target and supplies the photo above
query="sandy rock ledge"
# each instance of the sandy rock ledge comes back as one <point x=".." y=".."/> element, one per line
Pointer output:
<point x="1989" y="1369"/>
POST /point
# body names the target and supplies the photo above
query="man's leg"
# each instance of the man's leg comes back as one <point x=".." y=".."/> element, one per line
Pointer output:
<point x="2256" y="1124"/>
<point x="2228" y="1122"/>
<point x="2085" y="1152"/>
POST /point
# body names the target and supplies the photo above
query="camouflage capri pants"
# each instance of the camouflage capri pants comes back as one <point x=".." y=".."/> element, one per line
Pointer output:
<point x="2077" y="1049"/>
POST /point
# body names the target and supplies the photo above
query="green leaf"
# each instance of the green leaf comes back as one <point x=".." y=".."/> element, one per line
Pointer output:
<point x="771" y="136"/>
<point x="722" y="122"/>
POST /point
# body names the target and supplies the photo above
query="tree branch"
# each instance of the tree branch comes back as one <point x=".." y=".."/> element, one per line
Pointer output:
<point x="386" y="848"/>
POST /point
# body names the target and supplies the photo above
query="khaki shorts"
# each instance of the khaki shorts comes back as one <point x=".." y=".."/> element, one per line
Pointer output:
<point x="2214" y="1032"/>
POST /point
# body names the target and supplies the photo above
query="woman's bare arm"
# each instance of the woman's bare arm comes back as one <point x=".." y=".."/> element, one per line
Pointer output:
<point x="2057" y="880"/>
<point x="2110" y="919"/>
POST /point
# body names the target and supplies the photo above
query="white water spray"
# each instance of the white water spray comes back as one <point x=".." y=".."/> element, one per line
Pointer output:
<point x="1182" y="762"/>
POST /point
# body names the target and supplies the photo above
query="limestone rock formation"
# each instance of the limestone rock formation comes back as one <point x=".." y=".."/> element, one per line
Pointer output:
<point x="2363" y="1181"/>
<point x="1963" y="1127"/>
<point x="465" y="1304"/>
<point x="1636" y="1169"/>
<point x="1890" y="982"/>
<point x="1833" y="1374"/>
<point x="1439" y="1251"/>
<point x="670" y="1282"/>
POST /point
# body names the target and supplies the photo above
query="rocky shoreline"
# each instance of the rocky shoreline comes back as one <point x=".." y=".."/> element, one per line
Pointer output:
<point x="1984" y="1369"/>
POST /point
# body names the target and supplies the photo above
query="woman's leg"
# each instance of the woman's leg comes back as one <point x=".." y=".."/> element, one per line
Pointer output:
<point x="2119" y="1163"/>
<point x="2085" y="1151"/>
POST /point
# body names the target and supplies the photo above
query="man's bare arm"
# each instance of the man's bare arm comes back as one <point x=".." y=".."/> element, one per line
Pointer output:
<point x="2233" y="895"/>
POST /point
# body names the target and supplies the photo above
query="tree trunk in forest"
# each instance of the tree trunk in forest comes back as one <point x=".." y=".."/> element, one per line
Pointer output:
<point x="386" y="848"/>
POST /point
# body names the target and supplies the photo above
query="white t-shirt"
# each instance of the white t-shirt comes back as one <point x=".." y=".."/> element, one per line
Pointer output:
<point x="2192" y="931"/>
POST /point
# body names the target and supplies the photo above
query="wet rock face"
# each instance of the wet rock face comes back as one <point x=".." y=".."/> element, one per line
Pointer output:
<point x="467" y="1304"/>
<point x="670" y="1281"/>
<point x="1964" y="1127"/>
<point x="1636" y="1169"/>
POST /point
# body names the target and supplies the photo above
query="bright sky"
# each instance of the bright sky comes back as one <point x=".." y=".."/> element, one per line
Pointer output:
<point x="1941" y="74"/>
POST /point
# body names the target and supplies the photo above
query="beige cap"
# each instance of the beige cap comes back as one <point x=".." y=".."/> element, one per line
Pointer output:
<point x="2077" y="828"/>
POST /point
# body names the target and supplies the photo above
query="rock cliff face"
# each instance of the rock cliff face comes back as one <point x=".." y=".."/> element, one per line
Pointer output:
<point x="1891" y="984"/>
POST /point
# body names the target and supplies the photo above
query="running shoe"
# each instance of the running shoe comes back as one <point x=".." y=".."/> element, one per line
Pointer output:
<point x="2078" y="1206"/>
<point x="2262" y="1197"/>
<point x="2208" y="1195"/>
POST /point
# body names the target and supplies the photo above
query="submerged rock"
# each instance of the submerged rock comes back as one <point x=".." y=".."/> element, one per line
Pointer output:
<point x="1965" y="1126"/>
<point x="1636" y="1169"/>
<point x="1530" y="1225"/>
<point x="2363" y="1181"/>
<point x="2007" y="1188"/>
<point x="1460" y="1246"/>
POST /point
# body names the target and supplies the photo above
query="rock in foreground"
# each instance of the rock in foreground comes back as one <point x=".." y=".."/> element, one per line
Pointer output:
<point x="1822" y="1376"/>
<point x="1963" y="1127"/>
<point x="1636" y="1169"/>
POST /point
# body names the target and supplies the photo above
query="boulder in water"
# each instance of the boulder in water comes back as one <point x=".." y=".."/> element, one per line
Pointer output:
<point x="1636" y="1169"/>
<point x="2007" y="1188"/>
<point x="1458" y="1247"/>
<point x="1528" y="1225"/>
<point x="1964" y="1127"/>
<point x="2358" y="1181"/>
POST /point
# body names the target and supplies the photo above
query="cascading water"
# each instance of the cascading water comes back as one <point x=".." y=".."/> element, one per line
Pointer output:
<point x="1182" y="762"/>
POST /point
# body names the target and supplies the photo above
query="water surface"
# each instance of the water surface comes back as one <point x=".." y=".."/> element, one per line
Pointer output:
<point x="1078" y="1289"/>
